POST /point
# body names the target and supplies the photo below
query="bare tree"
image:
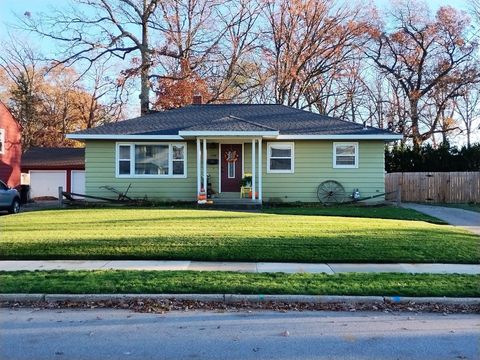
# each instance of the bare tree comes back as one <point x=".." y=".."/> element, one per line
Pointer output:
<point x="306" y="40"/>
<point x="50" y="103"/>
<point x="104" y="100"/>
<point x="23" y="74"/>
<point x="468" y="108"/>
<point x="97" y="30"/>
<point x="212" y="40"/>
<point x="427" y="58"/>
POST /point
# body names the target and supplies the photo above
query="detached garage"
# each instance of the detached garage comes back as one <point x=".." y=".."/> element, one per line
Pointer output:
<point x="49" y="168"/>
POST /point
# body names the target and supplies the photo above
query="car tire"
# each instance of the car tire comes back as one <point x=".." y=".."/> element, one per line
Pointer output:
<point x="15" y="207"/>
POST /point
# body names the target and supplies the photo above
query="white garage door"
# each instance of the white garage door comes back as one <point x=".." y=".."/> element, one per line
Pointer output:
<point x="78" y="181"/>
<point x="46" y="183"/>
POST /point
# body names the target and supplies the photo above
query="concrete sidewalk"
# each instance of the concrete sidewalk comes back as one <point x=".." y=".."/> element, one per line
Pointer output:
<point x="469" y="220"/>
<point x="250" y="267"/>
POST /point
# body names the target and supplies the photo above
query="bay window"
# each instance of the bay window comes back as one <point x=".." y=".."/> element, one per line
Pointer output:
<point x="151" y="160"/>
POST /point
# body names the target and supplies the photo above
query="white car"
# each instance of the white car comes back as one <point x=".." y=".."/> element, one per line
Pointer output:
<point x="9" y="199"/>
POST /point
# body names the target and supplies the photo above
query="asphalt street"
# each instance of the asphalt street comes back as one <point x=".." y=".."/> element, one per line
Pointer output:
<point x="36" y="334"/>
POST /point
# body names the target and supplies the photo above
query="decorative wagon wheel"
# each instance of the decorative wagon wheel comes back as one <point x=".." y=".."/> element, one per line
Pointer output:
<point x="330" y="192"/>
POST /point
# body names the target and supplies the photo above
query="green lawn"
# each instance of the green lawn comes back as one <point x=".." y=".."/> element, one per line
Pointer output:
<point x="228" y="236"/>
<point x="379" y="212"/>
<point x="175" y="282"/>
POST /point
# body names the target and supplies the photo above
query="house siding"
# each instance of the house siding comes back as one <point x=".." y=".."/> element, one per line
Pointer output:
<point x="313" y="164"/>
<point x="100" y="171"/>
<point x="10" y="159"/>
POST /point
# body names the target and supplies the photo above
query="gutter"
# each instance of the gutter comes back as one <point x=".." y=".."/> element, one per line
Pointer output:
<point x="267" y="134"/>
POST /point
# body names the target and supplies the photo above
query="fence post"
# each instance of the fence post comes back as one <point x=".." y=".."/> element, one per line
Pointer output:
<point x="399" y="194"/>
<point x="60" y="195"/>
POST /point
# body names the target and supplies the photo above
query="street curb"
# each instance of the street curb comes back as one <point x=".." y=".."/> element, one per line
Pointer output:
<point x="236" y="298"/>
<point x="22" y="297"/>
<point x="120" y="297"/>
<point x="432" y="300"/>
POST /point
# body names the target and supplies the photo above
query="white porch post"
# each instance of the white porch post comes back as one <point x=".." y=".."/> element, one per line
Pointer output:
<point x="253" y="169"/>
<point x="198" y="167"/>
<point x="260" y="185"/>
<point x="204" y="152"/>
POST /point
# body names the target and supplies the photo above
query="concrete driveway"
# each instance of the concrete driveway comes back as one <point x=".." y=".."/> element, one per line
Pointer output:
<point x="469" y="220"/>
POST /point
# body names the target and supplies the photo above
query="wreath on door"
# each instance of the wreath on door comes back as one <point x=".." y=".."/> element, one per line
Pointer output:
<point x="231" y="156"/>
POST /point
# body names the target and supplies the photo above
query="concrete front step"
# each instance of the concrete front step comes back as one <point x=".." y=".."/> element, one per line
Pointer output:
<point x="232" y="203"/>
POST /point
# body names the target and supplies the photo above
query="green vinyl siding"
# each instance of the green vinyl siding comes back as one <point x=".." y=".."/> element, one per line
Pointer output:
<point x="314" y="164"/>
<point x="100" y="171"/>
<point x="313" y="161"/>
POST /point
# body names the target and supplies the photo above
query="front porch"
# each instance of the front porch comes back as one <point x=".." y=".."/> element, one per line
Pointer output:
<point x="229" y="171"/>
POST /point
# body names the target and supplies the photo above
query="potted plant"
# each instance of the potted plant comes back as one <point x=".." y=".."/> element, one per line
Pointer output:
<point x="247" y="180"/>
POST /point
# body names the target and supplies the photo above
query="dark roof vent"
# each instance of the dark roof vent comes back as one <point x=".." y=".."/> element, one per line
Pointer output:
<point x="197" y="100"/>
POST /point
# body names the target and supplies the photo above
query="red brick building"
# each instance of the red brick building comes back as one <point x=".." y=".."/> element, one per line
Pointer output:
<point x="10" y="147"/>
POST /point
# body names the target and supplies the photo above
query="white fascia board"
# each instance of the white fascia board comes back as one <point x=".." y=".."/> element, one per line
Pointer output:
<point x="122" y="137"/>
<point x="340" y="137"/>
<point x="228" y="133"/>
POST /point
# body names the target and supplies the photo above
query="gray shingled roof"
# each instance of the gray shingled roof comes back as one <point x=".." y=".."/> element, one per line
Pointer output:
<point x="229" y="123"/>
<point x="42" y="157"/>
<point x="234" y="117"/>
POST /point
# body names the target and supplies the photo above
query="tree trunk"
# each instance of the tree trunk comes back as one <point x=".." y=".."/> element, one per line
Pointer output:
<point x="145" y="86"/>
<point x="416" y="137"/>
<point x="146" y="65"/>
<point x="469" y="131"/>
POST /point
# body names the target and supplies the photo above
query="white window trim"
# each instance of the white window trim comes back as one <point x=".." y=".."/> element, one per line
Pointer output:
<point x="132" y="174"/>
<point x="2" y="141"/>
<point x="292" y="157"/>
<point x="335" y="166"/>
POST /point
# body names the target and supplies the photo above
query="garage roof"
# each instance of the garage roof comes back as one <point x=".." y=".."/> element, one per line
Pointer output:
<point x="55" y="158"/>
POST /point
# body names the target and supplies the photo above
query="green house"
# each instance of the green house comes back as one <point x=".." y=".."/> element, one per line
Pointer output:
<point x="261" y="153"/>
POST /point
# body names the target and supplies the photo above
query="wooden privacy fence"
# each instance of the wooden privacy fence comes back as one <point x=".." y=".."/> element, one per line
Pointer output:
<point x="435" y="187"/>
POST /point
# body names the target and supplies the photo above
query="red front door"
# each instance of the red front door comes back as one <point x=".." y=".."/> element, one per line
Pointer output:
<point x="231" y="167"/>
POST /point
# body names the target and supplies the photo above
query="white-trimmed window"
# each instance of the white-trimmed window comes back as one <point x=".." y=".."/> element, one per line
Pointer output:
<point x="345" y="155"/>
<point x="2" y="141"/>
<point x="231" y="169"/>
<point x="151" y="160"/>
<point x="280" y="157"/>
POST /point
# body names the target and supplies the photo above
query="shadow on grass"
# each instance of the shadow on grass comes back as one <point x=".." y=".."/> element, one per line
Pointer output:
<point x="398" y="245"/>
